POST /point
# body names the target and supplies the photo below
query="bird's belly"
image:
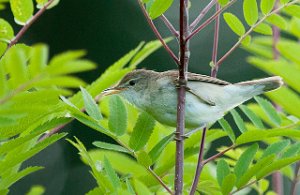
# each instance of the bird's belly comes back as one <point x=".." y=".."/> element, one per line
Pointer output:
<point x="196" y="114"/>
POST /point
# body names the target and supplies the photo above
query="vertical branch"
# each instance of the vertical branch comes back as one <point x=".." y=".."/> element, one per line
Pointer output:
<point x="182" y="81"/>
<point x="200" y="164"/>
<point x="296" y="179"/>
<point x="214" y="72"/>
<point x="215" y="68"/>
<point x="277" y="180"/>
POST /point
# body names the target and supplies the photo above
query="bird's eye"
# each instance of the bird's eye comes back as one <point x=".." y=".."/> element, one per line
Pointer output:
<point x="132" y="82"/>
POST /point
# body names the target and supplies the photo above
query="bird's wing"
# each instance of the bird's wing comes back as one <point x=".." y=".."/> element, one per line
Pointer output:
<point x="205" y="88"/>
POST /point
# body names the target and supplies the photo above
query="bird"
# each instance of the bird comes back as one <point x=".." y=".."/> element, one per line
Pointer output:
<point x="208" y="99"/>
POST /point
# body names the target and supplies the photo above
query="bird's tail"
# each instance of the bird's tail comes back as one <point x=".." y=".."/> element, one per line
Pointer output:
<point x="267" y="84"/>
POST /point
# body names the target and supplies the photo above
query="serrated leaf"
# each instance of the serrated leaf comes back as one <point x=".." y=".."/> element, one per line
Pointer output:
<point x="234" y="23"/>
<point x="22" y="10"/>
<point x="291" y="151"/>
<point x="111" y="147"/>
<point x="227" y="128"/>
<point x="250" y="11"/>
<point x="160" y="146"/>
<point x="117" y="120"/>
<point x="293" y="10"/>
<point x="141" y="131"/>
<point x="38" y="59"/>
<point x="276" y="165"/>
<point x="269" y="110"/>
<point x="253" y="170"/>
<point x="6" y="31"/>
<point x="144" y="159"/>
<point x="8" y="181"/>
<point x="228" y="184"/>
<point x="245" y="160"/>
<point x="238" y="121"/>
<point x="252" y="116"/>
<point x="16" y="66"/>
<point x="278" y="21"/>
<point x="90" y="105"/>
<point x="223" y="170"/>
<point x="113" y="177"/>
<point x="275" y="148"/>
<point x="158" y="7"/>
<point x="264" y="29"/>
<point x="266" y="6"/>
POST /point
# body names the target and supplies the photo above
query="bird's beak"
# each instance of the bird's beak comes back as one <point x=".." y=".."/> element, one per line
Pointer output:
<point x="110" y="91"/>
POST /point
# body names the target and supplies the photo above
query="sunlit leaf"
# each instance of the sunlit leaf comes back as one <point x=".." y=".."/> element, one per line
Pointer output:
<point x="234" y="23"/>
<point x="117" y="120"/>
<point x="264" y="29"/>
<point x="266" y="6"/>
<point x="158" y="7"/>
<point x="112" y="147"/>
<point x="238" y="120"/>
<point x="22" y="10"/>
<point x="222" y="171"/>
<point x="227" y="128"/>
<point x="113" y="177"/>
<point x="6" y="31"/>
<point x="250" y="11"/>
<point x="252" y="116"/>
<point x="90" y="105"/>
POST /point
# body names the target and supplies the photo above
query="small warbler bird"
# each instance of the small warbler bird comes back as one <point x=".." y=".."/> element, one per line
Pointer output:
<point x="207" y="98"/>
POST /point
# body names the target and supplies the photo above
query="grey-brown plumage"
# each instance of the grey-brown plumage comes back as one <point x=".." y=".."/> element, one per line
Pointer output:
<point x="207" y="98"/>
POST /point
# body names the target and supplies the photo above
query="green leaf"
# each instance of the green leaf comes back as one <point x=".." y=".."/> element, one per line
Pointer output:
<point x="252" y="116"/>
<point x="117" y="120"/>
<point x="22" y="10"/>
<point x="238" y="121"/>
<point x="234" y="23"/>
<point x="111" y="147"/>
<point x="144" y="159"/>
<point x="65" y="57"/>
<point x="38" y="59"/>
<point x="8" y="181"/>
<point x="6" y="31"/>
<point x="264" y="29"/>
<point x="278" y="21"/>
<point x="41" y="3"/>
<point x="245" y="160"/>
<point x="223" y="170"/>
<point x="250" y="11"/>
<point x="284" y="1"/>
<point x="16" y="66"/>
<point x="295" y="27"/>
<point x="72" y="66"/>
<point x="253" y="170"/>
<point x="90" y="105"/>
<point x="291" y="151"/>
<point x="227" y="128"/>
<point x="141" y="188"/>
<point x="36" y="190"/>
<point x="275" y="148"/>
<point x="266" y="6"/>
<point x="129" y="186"/>
<point x="160" y="146"/>
<point x="289" y="49"/>
<point x="293" y="10"/>
<point x="228" y="184"/>
<point x="223" y="2"/>
<point x="246" y="41"/>
<point x="141" y="131"/>
<point x="113" y="177"/>
<point x="61" y="81"/>
<point x="159" y="7"/>
<point x="277" y="165"/>
<point x="269" y="110"/>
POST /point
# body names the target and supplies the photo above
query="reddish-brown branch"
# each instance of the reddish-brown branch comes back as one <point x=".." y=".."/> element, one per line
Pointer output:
<point x="169" y="25"/>
<point x="157" y="34"/>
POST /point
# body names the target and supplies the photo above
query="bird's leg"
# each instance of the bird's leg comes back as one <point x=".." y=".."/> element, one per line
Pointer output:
<point x="182" y="137"/>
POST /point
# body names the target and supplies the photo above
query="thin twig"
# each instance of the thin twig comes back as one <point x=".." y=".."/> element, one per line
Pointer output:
<point x="296" y="179"/>
<point x="158" y="35"/>
<point x="169" y="25"/>
<point x="200" y="163"/>
<point x="202" y="14"/>
<point x="28" y="24"/>
<point x="160" y="180"/>
<point x="209" y="20"/>
<point x="218" y="155"/>
<point x="215" y="68"/>
<point x="251" y="29"/>
<point x="182" y="81"/>
<point x="245" y="186"/>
